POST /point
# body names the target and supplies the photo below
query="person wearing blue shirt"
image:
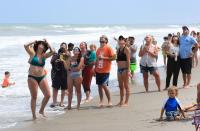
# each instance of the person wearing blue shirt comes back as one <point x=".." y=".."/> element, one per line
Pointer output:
<point x="172" y="106"/>
<point x="187" y="42"/>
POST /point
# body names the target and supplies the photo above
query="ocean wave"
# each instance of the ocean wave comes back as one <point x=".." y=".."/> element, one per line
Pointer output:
<point x="174" y="26"/>
<point x="56" y="26"/>
<point x="8" y="125"/>
<point x="21" y="27"/>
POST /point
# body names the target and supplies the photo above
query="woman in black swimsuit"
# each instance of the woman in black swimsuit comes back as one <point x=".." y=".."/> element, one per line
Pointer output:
<point x="123" y="63"/>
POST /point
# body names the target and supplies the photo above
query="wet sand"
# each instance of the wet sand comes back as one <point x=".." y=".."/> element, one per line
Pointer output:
<point x="140" y="115"/>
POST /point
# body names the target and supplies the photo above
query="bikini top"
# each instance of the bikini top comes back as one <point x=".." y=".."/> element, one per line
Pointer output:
<point x="74" y="63"/>
<point x="121" y="56"/>
<point x="36" y="62"/>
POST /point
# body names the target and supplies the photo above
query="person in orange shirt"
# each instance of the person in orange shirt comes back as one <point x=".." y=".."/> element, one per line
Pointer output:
<point x="6" y="80"/>
<point x="105" y="55"/>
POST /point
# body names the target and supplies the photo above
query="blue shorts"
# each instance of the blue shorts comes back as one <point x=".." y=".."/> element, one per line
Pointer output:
<point x="102" y="78"/>
<point x="74" y="75"/>
<point x="171" y="115"/>
<point x="147" y="69"/>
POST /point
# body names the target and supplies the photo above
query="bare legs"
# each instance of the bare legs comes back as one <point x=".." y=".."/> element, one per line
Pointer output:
<point x="87" y="96"/>
<point x="146" y="81"/>
<point x="157" y="79"/>
<point x="123" y="80"/>
<point x="77" y="83"/>
<point x="195" y="60"/>
<point x="46" y="92"/>
<point x="33" y="87"/>
<point x="186" y="80"/>
<point x="107" y="92"/>
<point x="55" y="95"/>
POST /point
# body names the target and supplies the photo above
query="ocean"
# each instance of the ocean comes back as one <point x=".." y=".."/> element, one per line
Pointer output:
<point x="15" y="100"/>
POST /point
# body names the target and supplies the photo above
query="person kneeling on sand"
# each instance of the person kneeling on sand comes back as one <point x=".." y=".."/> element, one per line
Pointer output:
<point x="172" y="106"/>
<point x="194" y="106"/>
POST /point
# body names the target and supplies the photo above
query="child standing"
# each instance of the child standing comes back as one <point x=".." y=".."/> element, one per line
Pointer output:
<point x="172" y="106"/>
<point x="6" y="80"/>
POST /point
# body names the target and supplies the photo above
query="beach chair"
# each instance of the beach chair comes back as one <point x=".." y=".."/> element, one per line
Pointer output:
<point x="196" y="119"/>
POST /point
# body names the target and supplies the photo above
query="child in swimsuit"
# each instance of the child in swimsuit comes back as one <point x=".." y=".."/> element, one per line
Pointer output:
<point x="6" y="80"/>
<point x="172" y="106"/>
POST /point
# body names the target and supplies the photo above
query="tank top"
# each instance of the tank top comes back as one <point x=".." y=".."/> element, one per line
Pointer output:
<point x="121" y="56"/>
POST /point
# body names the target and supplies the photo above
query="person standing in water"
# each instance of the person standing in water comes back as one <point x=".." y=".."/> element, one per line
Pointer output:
<point x="74" y="65"/>
<point x="88" y="71"/>
<point x="59" y="75"/>
<point x="6" y="81"/>
<point x="37" y="76"/>
<point x="105" y="55"/>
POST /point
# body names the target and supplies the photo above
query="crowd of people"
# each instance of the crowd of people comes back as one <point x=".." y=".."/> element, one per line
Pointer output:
<point x="74" y="67"/>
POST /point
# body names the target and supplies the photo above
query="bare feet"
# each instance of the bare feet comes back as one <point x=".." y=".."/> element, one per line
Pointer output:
<point x="120" y="103"/>
<point x="186" y="87"/>
<point x="42" y="114"/>
<point x="101" y="104"/>
<point x="165" y="89"/>
<point x="78" y="107"/>
<point x="68" y="108"/>
<point x="61" y="105"/>
<point x="110" y="104"/>
<point x="34" y="118"/>
<point x="177" y="118"/>
<point x="125" y="105"/>
<point x="87" y="100"/>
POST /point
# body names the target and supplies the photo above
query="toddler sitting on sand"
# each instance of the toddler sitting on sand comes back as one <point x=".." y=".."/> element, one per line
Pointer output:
<point x="172" y="106"/>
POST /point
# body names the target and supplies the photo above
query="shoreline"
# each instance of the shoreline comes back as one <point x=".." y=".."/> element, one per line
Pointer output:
<point x="141" y="114"/>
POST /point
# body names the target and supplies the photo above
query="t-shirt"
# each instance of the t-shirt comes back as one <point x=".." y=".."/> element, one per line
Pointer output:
<point x="173" y="49"/>
<point x="134" y="47"/>
<point x="90" y="57"/>
<point x="172" y="104"/>
<point x="5" y="82"/>
<point x="186" y="44"/>
<point x="58" y="67"/>
<point x="104" y="66"/>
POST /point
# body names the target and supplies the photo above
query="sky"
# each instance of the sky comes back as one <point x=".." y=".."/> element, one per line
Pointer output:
<point x="100" y="11"/>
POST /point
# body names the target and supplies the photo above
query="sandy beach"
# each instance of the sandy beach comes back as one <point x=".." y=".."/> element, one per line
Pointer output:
<point x="141" y="115"/>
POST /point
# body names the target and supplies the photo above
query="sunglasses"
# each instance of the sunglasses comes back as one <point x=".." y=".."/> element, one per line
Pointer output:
<point x="76" y="50"/>
<point x="102" y="41"/>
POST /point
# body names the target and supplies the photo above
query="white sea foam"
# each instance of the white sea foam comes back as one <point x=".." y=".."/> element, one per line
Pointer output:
<point x="14" y="59"/>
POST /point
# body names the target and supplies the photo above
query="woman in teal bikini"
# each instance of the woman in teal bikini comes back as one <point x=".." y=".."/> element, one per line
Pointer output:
<point x="123" y="63"/>
<point x="37" y="52"/>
